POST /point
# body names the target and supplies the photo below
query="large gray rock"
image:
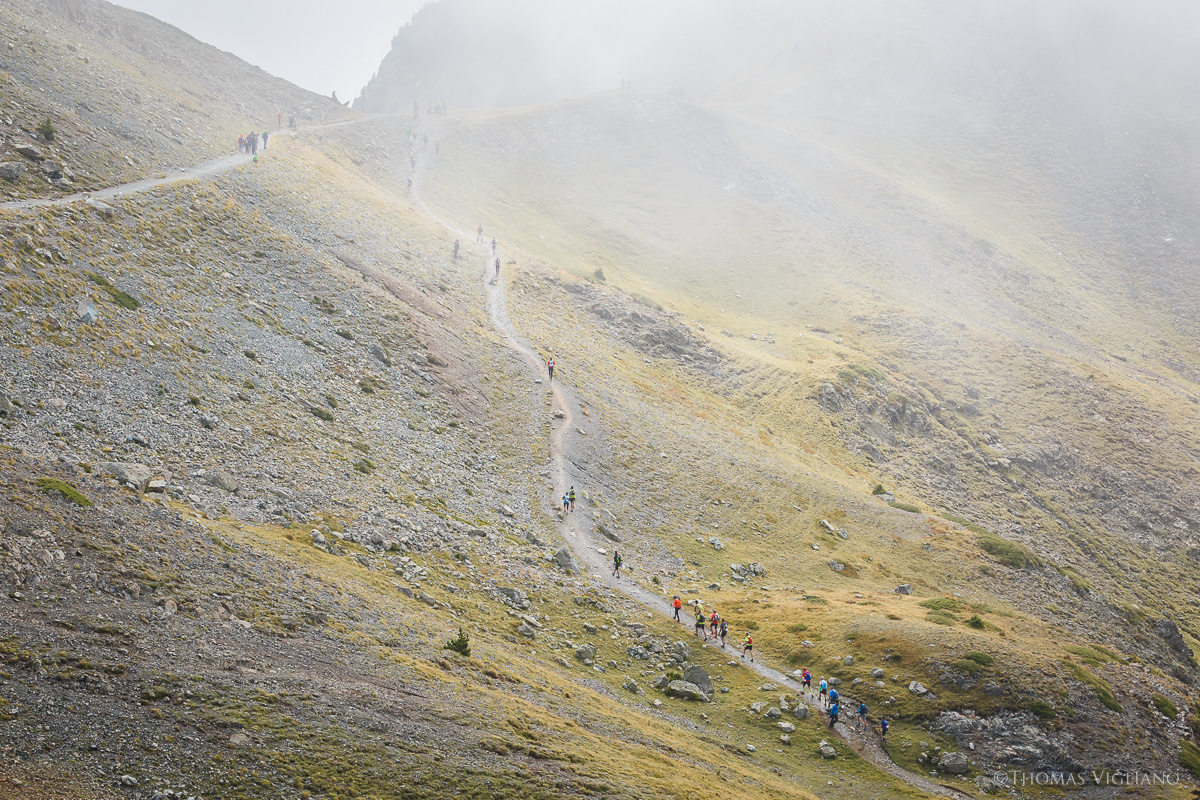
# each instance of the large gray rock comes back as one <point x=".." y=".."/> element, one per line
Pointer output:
<point x="680" y="649"/>
<point x="904" y="588"/>
<point x="86" y="312"/>
<point x="135" y="476"/>
<point x="877" y="673"/>
<point x="1169" y="631"/>
<point x="802" y="711"/>
<point x="916" y="688"/>
<point x="954" y="763"/>
<point x="566" y="561"/>
<point x="11" y="170"/>
<point x="7" y="409"/>
<point x="30" y="151"/>
<point x="630" y="685"/>
<point x="773" y="713"/>
<point x="586" y="653"/>
<point x="826" y="750"/>
<point x="661" y="682"/>
<point x="526" y="630"/>
<point x="222" y="480"/>
<point x="686" y="691"/>
<point x="697" y="675"/>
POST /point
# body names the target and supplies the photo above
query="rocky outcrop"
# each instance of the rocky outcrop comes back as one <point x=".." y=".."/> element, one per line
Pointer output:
<point x="1007" y="738"/>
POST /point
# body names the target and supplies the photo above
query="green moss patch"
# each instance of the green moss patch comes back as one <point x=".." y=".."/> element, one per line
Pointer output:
<point x="121" y="298"/>
<point x="1164" y="706"/>
<point x="63" y="489"/>
<point x="1104" y="692"/>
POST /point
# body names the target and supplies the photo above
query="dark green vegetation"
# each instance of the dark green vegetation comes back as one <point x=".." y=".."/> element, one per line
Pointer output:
<point x="64" y="490"/>
<point x="120" y="297"/>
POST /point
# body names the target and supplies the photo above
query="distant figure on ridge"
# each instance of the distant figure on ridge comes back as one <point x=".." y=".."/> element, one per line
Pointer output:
<point x="479" y="234"/>
<point x="456" y="249"/>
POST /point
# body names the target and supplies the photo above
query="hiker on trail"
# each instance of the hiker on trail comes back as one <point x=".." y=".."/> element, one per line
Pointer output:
<point x="677" y="604"/>
<point x="724" y="631"/>
<point x="265" y="135"/>
<point x="497" y="268"/>
<point x="883" y="729"/>
<point x="550" y="367"/>
<point x="493" y="245"/>
<point x="479" y="234"/>
<point x="700" y="625"/>
<point x="412" y="160"/>
<point x="834" y="697"/>
<point x="241" y="144"/>
<point x="806" y="680"/>
<point x="860" y="721"/>
<point x="292" y="121"/>
<point x="713" y="622"/>
<point x="571" y="497"/>
<point x="617" y="564"/>
<point x="834" y="710"/>
<point x="253" y="142"/>
<point x="566" y="503"/>
<point x="409" y="189"/>
<point x="456" y="249"/>
<point x="748" y="647"/>
<point x="279" y="119"/>
<point x="822" y="690"/>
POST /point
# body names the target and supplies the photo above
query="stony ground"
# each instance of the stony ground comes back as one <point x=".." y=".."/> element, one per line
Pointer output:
<point x="265" y="454"/>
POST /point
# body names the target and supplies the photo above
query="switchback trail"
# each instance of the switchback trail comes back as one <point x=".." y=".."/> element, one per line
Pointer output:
<point x="203" y="170"/>
<point x="576" y="528"/>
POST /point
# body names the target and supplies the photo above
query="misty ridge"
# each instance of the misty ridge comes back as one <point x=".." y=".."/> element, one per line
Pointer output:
<point x="1101" y="94"/>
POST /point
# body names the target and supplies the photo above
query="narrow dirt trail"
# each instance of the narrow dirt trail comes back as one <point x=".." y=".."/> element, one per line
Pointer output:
<point x="203" y="170"/>
<point x="577" y="527"/>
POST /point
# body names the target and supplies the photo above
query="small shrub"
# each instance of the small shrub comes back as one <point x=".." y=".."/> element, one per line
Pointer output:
<point x="331" y="400"/>
<point x="873" y="373"/>
<point x="751" y="625"/>
<point x="892" y="615"/>
<point x="941" y="618"/>
<point x="909" y="507"/>
<point x="982" y="659"/>
<point x="967" y="667"/>
<point x="365" y="467"/>
<point x="46" y="129"/>
<point x="812" y="598"/>
<point x="345" y="334"/>
<point x="194" y="401"/>
<point x="599" y="275"/>
<point x="1042" y="710"/>
<point x="1090" y="655"/>
<point x="248" y="384"/>
<point x="362" y="448"/>
<point x="250" y="354"/>
<point x="976" y="622"/>
<point x="1010" y="554"/>
<point x="321" y="413"/>
<point x="1165" y="706"/>
<point x="799" y="627"/>
<point x="64" y="489"/>
<point x="847" y="376"/>
<point x="879" y="489"/>
<point x="674" y="675"/>
<point x="461" y="645"/>
<point x="1189" y="756"/>
<point x="941" y="604"/>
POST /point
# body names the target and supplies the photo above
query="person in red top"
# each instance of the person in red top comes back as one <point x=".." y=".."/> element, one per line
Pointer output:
<point x="748" y="646"/>
<point x="550" y="367"/>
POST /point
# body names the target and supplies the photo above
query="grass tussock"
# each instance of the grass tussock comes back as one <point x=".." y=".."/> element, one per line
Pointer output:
<point x="121" y="298"/>
<point x="1010" y="554"/>
<point x="1104" y="692"/>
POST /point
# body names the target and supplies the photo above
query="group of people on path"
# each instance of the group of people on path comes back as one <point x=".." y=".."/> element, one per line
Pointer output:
<point x="249" y="142"/>
<point x="569" y="500"/>
<point x="711" y="625"/>
<point x="830" y="700"/>
<point x="291" y="120"/>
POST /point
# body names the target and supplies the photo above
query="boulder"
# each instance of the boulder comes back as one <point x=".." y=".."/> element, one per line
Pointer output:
<point x="7" y="409"/>
<point x="877" y="673"/>
<point x="695" y="674"/>
<point x="86" y="312"/>
<point x="686" y="691"/>
<point x="828" y="526"/>
<point x="1169" y="631"/>
<point x="661" y="682"/>
<point x="586" y="653"/>
<point x="526" y="630"/>
<point x="222" y="480"/>
<point x="954" y="763"/>
<point x="566" y="561"/>
<point x="848" y="661"/>
<point x="680" y="649"/>
<point x="757" y="707"/>
<point x="786" y="740"/>
<point x="787" y="727"/>
<point x="30" y="151"/>
<point x="381" y="352"/>
<point x="135" y="476"/>
<point x="773" y="713"/>
<point x="101" y="208"/>
<point x="916" y="688"/>
<point x="630" y="685"/>
<point x="802" y="711"/>
<point x="11" y="170"/>
<point x="826" y="750"/>
<point x="904" y="588"/>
